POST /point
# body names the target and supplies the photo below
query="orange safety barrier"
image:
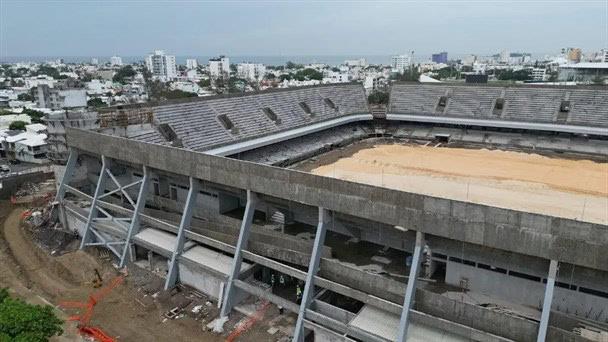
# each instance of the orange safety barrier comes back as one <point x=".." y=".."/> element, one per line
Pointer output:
<point x="258" y="315"/>
<point x="85" y="317"/>
<point x="26" y="214"/>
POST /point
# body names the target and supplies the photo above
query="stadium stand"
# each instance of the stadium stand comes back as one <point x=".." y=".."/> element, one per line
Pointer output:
<point x="587" y="107"/>
<point x="204" y="123"/>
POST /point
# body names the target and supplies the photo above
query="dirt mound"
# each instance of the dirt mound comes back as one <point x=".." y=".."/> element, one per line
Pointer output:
<point x="52" y="276"/>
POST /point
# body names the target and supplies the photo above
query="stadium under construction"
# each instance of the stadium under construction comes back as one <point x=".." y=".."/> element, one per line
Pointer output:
<point x="454" y="213"/>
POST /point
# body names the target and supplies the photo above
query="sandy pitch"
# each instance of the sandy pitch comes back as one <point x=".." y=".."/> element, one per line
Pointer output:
<point x="575" y="189"/>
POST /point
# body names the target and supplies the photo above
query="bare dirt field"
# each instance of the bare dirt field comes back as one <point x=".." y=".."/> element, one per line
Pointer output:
<point x="569" y="188"/>
<point x="38" y="278"/>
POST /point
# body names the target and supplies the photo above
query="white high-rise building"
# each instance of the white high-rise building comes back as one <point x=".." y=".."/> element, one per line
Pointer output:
<point x="219" y="67"/>
<point x="251" y="71"/>
<point x="538" y="74"/>
<point x="401" y="62"/>
<point x="191" y="64"/>
<point x="94" y="61"/>
<point x="115" y="61"/>
<point x="504" y="56"/>
<point x="161" y="66"/>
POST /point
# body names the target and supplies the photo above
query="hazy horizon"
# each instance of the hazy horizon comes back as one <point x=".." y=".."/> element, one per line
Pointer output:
<point x="322" y="28"/>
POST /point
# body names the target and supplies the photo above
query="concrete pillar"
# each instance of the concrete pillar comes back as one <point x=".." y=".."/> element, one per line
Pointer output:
<point x="241" y="244"/>
<point x="181" y="236"/>
<point x="134" y="225"/>
<point x="313" y="268"/>
<point x="411" y="288"/>
<point x="99" y="190"/>
<point x="544" y="318"/>
<point x="151" y="260"/>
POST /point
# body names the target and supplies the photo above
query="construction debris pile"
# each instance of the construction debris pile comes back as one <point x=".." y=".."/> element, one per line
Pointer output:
<point x="41" y="217"/>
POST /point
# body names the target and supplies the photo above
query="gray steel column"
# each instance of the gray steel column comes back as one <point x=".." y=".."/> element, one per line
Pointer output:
<point x="101" y="185"/>
<point x="252" y="200"/>
<point x="544" y="318"/>
<point x="67" y="176"/>
<point x="181" y="236"/>
<point x="134" y="225"/>
<point x="313" y="268"/>
<point x="410" y="291"/>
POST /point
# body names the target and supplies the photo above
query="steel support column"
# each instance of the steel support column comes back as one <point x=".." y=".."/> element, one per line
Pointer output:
<point x="101" y="185"/>
<point x="313" y="268"/>
<point x="411" y="288"/>
<point x="65" y="179"/>
<point x="67" y="175"/>
<point x="181" y="236"/>
<point x="544" y="318"/>
<point x="134" y="225"/>
<point x="252" y="200"/>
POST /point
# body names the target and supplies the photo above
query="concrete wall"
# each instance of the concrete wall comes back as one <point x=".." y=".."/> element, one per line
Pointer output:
<point x="547" y="237"/>
<point x="511" y="289"/>
<point x="207" y="283"/>
<point x="10" y="184"/>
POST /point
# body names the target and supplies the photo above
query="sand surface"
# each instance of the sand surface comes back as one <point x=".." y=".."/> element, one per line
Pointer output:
<point x="576" y="189"/>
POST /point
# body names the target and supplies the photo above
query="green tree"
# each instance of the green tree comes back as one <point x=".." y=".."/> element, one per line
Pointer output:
<point x="21" y="322"/>
<point x="35" y="115"/>
<point x="448" y="72"/>
<point x="25" y="97"/>
<point x="123" y="73"/>
<point x="177" y="94"/>
<point x="511" y="75"/>
<point x="410" y="75"/>
<point x="236" y="85"/>
<point x="204" y="83"/>
<point x="292" y="65"/>
<point x="378" y="97"/>
<point x="96" y="102"/>
<point x="17" y="125"/>
<point x="48" y="70"/>
<point x="308" y="74"/>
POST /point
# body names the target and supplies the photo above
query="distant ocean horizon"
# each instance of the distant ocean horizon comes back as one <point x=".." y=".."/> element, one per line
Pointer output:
<point x="267" y="60"/>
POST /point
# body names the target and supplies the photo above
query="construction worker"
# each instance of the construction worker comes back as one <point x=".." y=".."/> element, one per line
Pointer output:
<point x="298" y="293"/>
<point x="282" y="280"/>
<point x="272" y="280"/>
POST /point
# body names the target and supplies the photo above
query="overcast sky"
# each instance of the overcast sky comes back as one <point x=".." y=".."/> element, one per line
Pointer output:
<point x="268" y="28"/>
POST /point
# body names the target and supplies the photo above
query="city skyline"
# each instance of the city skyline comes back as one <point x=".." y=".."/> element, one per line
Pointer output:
<point x="267" y="28"/>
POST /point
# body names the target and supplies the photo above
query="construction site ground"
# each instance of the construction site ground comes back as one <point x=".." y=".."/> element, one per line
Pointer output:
<point x="133" y="311"/>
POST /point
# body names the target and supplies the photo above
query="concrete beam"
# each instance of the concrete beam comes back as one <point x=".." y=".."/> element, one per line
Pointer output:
<point x="531" y="234"/>
<point x="267" y="295"/>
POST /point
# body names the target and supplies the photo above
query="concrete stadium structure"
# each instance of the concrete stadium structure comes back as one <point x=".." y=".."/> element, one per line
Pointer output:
<point x="206" y="187"/>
